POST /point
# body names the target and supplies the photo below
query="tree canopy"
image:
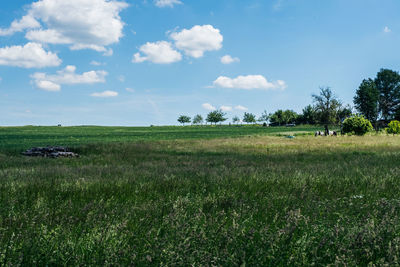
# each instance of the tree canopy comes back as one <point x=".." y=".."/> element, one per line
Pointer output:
<point x="184" y="119"/>
<point x="198" y="119"/>
<point x="326" y="105"/>
<point x="249" y="118"/>
<point x="216" y="116"/>
<point x="366" y="100"/>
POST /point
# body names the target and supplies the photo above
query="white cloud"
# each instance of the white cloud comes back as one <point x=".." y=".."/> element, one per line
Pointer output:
<point x="387" y="29"/>
<point x="241" y="108"/>
<point x="105" y="94"/>
<point x="227" y="59"/>
<point x="208" y="106"/>
<point x="31" y="55"/>
<point x="167" y="3"/>
<point x="160" y="52"/>
<point x="67" y="76"/>
<point x="96" y="63"/>
<point x="197" y="40"/>
<point x="26" y="22"/>
<point x="48" y="85"/>
<point x="226" y="108"/>
<point x="249" y="82"/>
<point x="82" y="24"/>
<point x="130" y="90"/>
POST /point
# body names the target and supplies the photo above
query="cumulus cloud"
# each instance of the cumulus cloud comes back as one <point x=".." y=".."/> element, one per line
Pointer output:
<point x="160" y="52"/>
<point x="387" y="29"/>
<point x="31" y="55"/>
<point x="82" y="24"/>
<point x="67" y="76"/>
<point x="249" y="82"/>
<point x="225" y="108"/>
<point x="227" y="59"/>
<point x="48" y="85"/>
<point x="208" y="106"/>
<point x="241" y="108"/>
<point x="197" y="40"/>
<point x="105" y="94"/>
<point x="167" y="3"/>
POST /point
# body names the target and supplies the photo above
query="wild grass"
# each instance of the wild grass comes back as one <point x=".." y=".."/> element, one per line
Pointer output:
<point x="255" y="200"/>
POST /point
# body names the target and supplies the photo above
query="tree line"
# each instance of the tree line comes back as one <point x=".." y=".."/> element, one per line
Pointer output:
<point x="378" y="100"/>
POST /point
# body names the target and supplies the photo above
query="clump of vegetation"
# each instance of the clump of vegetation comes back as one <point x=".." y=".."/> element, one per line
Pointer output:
<point x="357" y="124"/>
<point x="393" y="127"/>
<point x="216" y="116"/>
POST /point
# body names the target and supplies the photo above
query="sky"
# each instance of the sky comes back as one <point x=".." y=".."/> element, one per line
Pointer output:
<point x="145" y="62"/>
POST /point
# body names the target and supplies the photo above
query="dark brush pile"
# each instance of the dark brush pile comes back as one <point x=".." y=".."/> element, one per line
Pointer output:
<point x="50" y="152"/>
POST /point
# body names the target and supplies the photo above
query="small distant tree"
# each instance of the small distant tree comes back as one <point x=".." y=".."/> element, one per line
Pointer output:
<point x="236" y="120"/>
<point x="198" y="119"/>
<point x="184" y="119"/>
<point x="264" y="117"/>
<point x="357" y="124"/>
<point x="393" y="127"/>
<point x="216" y="116"/>
<point x="326" y="105"/>
<point x="249" y="118"/>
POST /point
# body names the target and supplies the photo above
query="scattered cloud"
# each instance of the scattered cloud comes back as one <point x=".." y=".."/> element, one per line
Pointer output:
<point x="241" y="108"/>
<point x="278" y="4"/>
<point x="387" y="29"/>
<point x="105" y="94"/>
<point x="227" y="59"/>
<point x="225" y="108"/>
<point x="67" y="76"/>
<point x="96" y="63"/>
<point x="167" y="3"/>
<point x="31" y="55"/>
<point x="160" y="53"/>
<point x="208" y="106"/>
<point x="197" y="40"/>
<point x="130" y="90"/>
<point x="249" y="82"/>
<point x="88" y="24"/>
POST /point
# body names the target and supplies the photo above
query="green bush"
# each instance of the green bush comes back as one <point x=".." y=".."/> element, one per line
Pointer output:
<point x="357" y="125"/>
<point x="393" y="127"/>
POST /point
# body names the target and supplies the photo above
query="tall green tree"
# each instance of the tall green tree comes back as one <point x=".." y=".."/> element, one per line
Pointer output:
<point x="326" y="105"/>
<point x="388" y="84"/>
<point x="216" y="116"/>
<point x="198" y="119"/>
<point x="249" y="118"/>
<point x="184" y="119"/>
<point x="289" y="116"/>
<point x="366" y="100"/>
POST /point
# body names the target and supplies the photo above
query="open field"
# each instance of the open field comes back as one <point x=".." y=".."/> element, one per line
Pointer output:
<point x="199" y="196"/>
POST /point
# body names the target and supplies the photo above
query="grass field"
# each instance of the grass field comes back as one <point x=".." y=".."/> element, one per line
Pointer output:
<point x="223" y="196"/>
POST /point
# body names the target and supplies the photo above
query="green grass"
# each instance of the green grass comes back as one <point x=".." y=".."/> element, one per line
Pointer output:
<point x="180" y="196"/>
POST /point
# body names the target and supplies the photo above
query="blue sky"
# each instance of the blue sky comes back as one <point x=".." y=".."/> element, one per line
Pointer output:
<point x="99" y="62"/>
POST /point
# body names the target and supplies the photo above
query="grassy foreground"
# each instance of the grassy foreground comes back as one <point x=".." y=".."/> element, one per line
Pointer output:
<point x="256" y="200"/>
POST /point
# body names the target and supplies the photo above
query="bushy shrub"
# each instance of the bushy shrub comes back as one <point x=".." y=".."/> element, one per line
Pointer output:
<point x="393" y="127"/>
<point x="357" y="125"/>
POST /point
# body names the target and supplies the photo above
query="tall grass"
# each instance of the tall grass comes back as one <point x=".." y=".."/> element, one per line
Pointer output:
<point x="255" y="200"/>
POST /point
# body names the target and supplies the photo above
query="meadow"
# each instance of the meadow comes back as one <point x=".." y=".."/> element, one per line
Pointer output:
<point x="201" y="196"/>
